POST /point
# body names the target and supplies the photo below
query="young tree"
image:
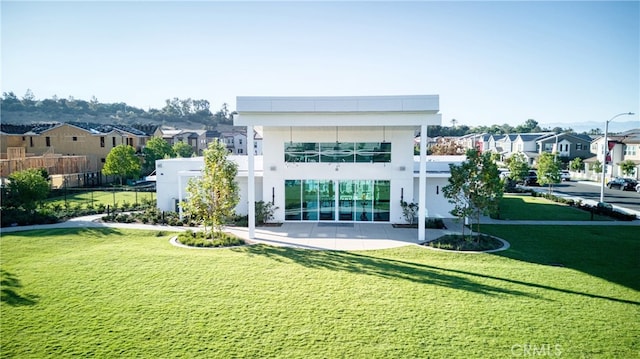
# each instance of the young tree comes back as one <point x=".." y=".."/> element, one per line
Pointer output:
<point x="182" y="149"/>
<point x="156" y="149"/>
<point x="518" y="167"/>
<point x="576" y="164"/>
<point x="548" y="170"/>
<point x="596" y="166"/>
<point x="212" y="198"/>
<point x="122" y="162"/>
<point x="27" y="188"/>
<point x="628" y="167"/>
<point x="474" y="187"/>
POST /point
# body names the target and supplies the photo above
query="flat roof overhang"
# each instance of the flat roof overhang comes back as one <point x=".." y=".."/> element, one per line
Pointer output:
<point x="409" y="111"/>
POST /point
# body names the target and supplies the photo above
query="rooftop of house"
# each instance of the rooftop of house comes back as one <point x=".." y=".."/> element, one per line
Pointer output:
<point x="38" y="128"/>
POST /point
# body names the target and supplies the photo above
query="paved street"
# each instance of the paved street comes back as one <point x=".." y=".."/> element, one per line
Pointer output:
<point x="625" y="199"/>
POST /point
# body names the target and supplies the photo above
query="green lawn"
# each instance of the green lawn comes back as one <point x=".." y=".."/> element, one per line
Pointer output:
<point x="526" y="207"/>
<point x="113" y="292"/>
<point x="104" y="197"/>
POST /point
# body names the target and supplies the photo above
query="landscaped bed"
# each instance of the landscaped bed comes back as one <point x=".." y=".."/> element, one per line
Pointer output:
<point x="200" y="239"/>
<point x="458" y="242"/>
<point x="113" y="292"/>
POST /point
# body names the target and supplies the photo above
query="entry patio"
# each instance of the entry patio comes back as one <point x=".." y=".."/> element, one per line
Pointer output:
<point x="340" y="236"/>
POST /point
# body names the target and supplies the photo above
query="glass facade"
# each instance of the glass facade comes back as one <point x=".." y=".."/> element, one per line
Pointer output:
<point x="354" y="200"/>
<point x="338" y="152"/>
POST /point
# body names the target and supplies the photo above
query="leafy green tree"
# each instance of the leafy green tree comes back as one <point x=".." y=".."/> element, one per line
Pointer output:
<point x="518" y="167"/>
<point x="596" y="166"/>
<point x="122" y="162"/>
<point x="474" y="187"/>
<point x="530" y="125"/>
<point x="213" y="197"/>
<point x="549" y="170"/>
<point x="182" y="149"/>
<point x="576" y="164"/>
<point x="156" y="149"/>
<point x="27" y="188"/>
<point x="628" y="167"/>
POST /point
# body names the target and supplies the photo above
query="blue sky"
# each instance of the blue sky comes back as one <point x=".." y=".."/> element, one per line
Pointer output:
<point x="490" y="62"/>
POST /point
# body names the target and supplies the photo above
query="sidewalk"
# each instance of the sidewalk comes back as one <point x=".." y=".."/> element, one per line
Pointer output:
<point x="90" y="222"/>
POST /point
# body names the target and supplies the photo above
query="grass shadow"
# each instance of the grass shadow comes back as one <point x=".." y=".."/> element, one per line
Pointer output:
<point x="411" y="271"/>
<point x="379" y="267"/>
<point x="10" y="288"/>
<point x="610" y="253"/>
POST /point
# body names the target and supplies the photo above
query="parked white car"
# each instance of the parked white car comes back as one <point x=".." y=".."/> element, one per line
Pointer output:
<point x="565" y="175"/>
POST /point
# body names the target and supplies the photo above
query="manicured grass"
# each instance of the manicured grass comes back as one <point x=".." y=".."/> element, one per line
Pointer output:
<point x="526" y="207"/>
<point x="112" y="292"/>
<point x="104" y="197"/>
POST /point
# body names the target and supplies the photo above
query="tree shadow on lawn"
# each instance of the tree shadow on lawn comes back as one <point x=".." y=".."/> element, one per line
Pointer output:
<point x="381" y="267"/>
<point x="606" y="252"/>
<point x="415" y="272"/>
<point x="10" y="288"/>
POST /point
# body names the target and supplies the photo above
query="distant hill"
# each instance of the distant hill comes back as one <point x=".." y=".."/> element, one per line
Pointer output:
<point x="614" y="126"/>
<point x="25" y="118"/>
<point x="186" y="114"/>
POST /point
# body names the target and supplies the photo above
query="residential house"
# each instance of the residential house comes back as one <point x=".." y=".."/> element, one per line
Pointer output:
<point x="91" y="141"/>
<point x="566" y="145"/>
<point x="502" y="144"/>
<point x="197" y="139"/>
<point x="622" y="147"/>
<point x="631" y="152"/>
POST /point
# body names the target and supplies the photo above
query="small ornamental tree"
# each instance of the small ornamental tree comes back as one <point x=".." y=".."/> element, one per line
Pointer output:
<point x="27" y="188"/>
<point x="213" y="197"/>
<point x="518" y="167"/>
<point x="182" y="149"/>
<point x="576" y="164"/>
<point x="474" y="187"/>
<point x="122" y="162"/>
<point x="596" y="166"/>
<point x="548" y="170"/>
<point x="156" y="149"/>
<point x="628" y="167"/>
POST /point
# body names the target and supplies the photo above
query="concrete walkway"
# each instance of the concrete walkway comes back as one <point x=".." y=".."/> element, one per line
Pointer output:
<point x="338" y="236"/>
<point x="320" y="235"/>
<point x="311" y="235"/>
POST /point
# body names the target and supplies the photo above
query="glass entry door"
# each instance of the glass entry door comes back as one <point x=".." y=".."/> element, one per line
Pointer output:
<point x="345" y="201"/>
<point x="353" y="201"/>
<point x="327" y="201"/>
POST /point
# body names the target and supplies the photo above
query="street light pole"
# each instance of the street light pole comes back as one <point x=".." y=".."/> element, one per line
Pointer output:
<point x="606" y="150"/>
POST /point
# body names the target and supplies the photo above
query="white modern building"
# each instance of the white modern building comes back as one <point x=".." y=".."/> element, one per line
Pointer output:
<point x="333" y="159"/>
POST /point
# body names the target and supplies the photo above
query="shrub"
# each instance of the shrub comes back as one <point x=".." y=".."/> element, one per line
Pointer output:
<point x="510" y="186"/>
<point x="457" y="242"/>
<point x="264" y="212"/>
<point x="197" y="239"/>
<point x="436" y="223"/>
<point x="409" y="211"/>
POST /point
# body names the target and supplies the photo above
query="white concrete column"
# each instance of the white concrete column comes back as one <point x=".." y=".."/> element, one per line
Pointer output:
<point x="251" y="186"/>
<point x="422" y="183"/>
<point x="179" y="195"/>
